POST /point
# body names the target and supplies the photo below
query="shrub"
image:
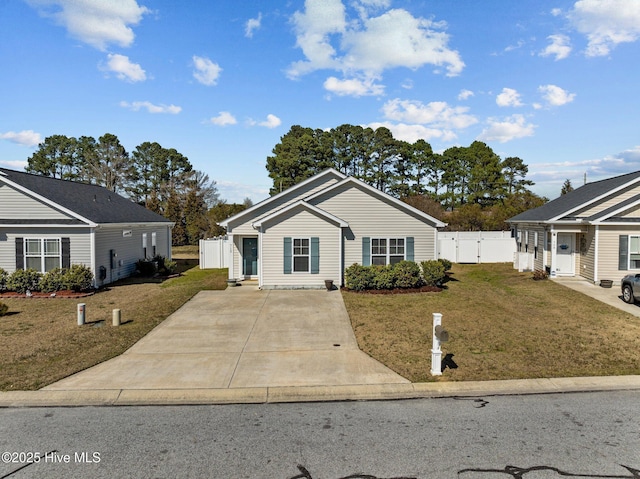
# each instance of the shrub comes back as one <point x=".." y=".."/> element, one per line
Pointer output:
<point x="359" y="278"/>
<point x="78" y="278"/>
<point x="22" y="280"/>
<point x="144" y="267"/>
<point x="384" y="277"/>
<point x="446" y="263"/>
<point x="3" y="280"/>
<point x="407" y="275"/>
<point x="53" y="280"/>
<point x="540" y="274"/>
<point x="170" y="266"/>
<point x="3" y="309"/>
<point x="433" y="272"/>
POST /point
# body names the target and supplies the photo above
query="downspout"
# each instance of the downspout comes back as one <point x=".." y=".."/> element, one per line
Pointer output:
<point x="595" y="255"/>
<point x="232" y="263"/>
<point x="554" y="247"/>
<point x="340" y="257"/>
<point x="260" y="279"/>
<point x="92" y="246"/>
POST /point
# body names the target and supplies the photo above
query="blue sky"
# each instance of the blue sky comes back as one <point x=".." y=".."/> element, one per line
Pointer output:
<point x="552" y="82"/>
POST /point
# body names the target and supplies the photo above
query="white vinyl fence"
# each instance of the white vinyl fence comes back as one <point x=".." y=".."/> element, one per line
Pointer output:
<point x="476" y="246"/>
<point x="215" y="252"/>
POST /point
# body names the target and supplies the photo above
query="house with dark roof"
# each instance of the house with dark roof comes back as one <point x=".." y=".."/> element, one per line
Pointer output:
<point x="593" y="231"/>
<point x="46" y="223"/>
<point x="312" y="231"/>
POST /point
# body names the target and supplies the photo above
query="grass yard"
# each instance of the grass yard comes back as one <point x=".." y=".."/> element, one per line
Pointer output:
<point x="41" y="343"/>
<point x="502" y="325"/>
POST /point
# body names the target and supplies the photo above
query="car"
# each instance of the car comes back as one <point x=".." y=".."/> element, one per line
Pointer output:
<point x="629" y="285"/>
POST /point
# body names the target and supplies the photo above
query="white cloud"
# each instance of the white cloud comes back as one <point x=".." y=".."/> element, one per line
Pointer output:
<point x="24" y="137"/>
<point x="206" y="71"/>
<point x="124" y="68"/>
<point x="606" y="23"/>
<point x="438" y="113"/>
<point x="465" y="94"/>
<point x="508" y="97"/>
<point x="413" y="133"/>
<point x="96" y="22"/>
<point x="224" y="118"/>
<point x="14" y="165"/>
<point x="559" y="47"/>
<point x="151" y="108"/>
<point x="368" y="45"/>
<point x="556" y="96"/>
<point x="353" y="87"/>
<point x="252" y="25"/>
<point x="508" y="129"/>
<point x="272" y="121"/>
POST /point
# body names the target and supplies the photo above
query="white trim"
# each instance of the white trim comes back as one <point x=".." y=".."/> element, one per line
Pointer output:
<point x="596" y="238"/>
<point x="401" y="204"/>
<point x="233" y="258"/>
<point x="598" y="198"/>
<point x="42" y="254"/>
<point x="388" y="248"/>
<point x="304" y="204"/>
<point x="92" y="248"/>
<point x="601" y="219"/>
<point x="340" y="257"/>
<point x="260" y="268"/>
<point x="293" y="255"/>
<point x="295" y="187"/>
<point x="49" y="225"/>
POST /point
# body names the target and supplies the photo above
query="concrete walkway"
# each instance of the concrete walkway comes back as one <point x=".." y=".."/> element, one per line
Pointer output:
<point x="611" y="296"/>
<point x="243" y="337"/>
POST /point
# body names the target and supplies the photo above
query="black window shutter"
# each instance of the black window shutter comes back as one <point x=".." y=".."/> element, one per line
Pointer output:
<point x="66" y="253"/>
<point x="623" y="253"/>
<point x="19" y="253"/>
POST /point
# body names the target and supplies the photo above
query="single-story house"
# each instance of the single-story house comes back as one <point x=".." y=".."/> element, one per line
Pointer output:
<point x="47" y="223"/>
<point x="314" y="230"/>
<point x="592" y="231"/>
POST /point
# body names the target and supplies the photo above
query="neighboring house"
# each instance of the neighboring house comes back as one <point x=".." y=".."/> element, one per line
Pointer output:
<point x="593" y="231"/>
<point x="47" y="223"/>
<point x="314" y="230"/>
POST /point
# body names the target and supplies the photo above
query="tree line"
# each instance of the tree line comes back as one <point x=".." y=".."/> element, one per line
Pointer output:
<point x="468" y="187"/>
<point x="161" y="179"/>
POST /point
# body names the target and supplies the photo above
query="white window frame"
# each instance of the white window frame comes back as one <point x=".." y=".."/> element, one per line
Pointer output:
<point x="387" y="249"/>
<point x="637" y="253"/>
<point x="42" y="254"/>
<point x="301" y="247"/>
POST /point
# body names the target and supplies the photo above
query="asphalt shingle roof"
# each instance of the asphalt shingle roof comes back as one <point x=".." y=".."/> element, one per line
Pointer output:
<point x="575" y="198"/>
<point x="92" y="202"/>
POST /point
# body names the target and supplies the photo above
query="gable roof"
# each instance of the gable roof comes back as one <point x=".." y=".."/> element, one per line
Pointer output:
<point x="577" y="199"/>
<point x="88" y="203"/>
<point x="288" y="191"/>
<point x="326" y="215"/>
<point x="380" y="194"/>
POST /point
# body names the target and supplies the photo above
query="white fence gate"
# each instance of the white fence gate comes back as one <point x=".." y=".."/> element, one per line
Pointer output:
<point x="476" y="246"/>
<point x="216" y="252"/>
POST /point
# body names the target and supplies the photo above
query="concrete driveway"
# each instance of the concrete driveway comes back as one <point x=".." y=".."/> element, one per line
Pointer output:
<point x="243" y="337"/>
<point x="611" y="296"/>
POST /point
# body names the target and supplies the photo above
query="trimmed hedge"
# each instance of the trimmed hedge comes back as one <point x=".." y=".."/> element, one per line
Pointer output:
<point x="433" y="272"/>
<point x="405" y="274"/>
<point x="3" y="308"/>
<point x="3" y="280"/>
<point x="78" y="278"/>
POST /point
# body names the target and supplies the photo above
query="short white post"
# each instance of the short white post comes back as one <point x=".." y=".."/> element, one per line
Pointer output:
<point x="81" y="314"/>
<point x="115" y="317"/>
<point x="436" y="352"/>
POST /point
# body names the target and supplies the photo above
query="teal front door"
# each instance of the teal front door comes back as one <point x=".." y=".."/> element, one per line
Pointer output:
<point x="250" y="256"/>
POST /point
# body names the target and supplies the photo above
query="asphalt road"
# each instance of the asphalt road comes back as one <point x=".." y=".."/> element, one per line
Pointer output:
<point x="530" y="437"/>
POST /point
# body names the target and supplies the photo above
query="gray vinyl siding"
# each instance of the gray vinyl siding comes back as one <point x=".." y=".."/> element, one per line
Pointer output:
<point x="607" y="202"/>
<point x="79" y="247"/>
<point x="299" y="223"/>
<point x="15" y="205"/>
<point x="373" y="217"/>
<point x="243" y="226"/>
<point x="608" y="237"/>
<point x="587" y="249"/>
<point x="128" y="249"/>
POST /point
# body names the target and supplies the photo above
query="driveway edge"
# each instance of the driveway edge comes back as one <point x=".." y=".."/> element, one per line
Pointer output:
<point x="359" y="392"/>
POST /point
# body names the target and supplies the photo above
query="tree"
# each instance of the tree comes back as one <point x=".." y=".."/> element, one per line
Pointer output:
<point x="566" y="187"/>
<point x="223" y="210"/>
<point x="110" y="167"/>
<point x="514" y="171"/>
<point x="55" y="157"/>
<point x="485" y="183"/>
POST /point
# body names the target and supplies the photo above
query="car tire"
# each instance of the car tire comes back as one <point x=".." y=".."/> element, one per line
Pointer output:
<point x="627" y="294"/>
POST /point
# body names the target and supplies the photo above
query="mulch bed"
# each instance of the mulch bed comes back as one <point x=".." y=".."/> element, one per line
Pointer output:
<point x="39" y="295"/>
<point x="422" y="289"/>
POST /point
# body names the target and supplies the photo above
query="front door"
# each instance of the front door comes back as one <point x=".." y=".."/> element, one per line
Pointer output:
<point x="565" y="262"/>
<point x="250" y="256"/>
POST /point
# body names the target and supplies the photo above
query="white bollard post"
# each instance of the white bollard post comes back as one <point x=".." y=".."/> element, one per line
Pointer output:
<point x="81" y="314"/>
<point x="436" y="352"/>
<point x="115" y="317"/>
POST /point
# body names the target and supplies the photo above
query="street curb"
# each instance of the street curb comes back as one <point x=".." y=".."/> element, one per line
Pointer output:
<point x="289" y="394"/>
